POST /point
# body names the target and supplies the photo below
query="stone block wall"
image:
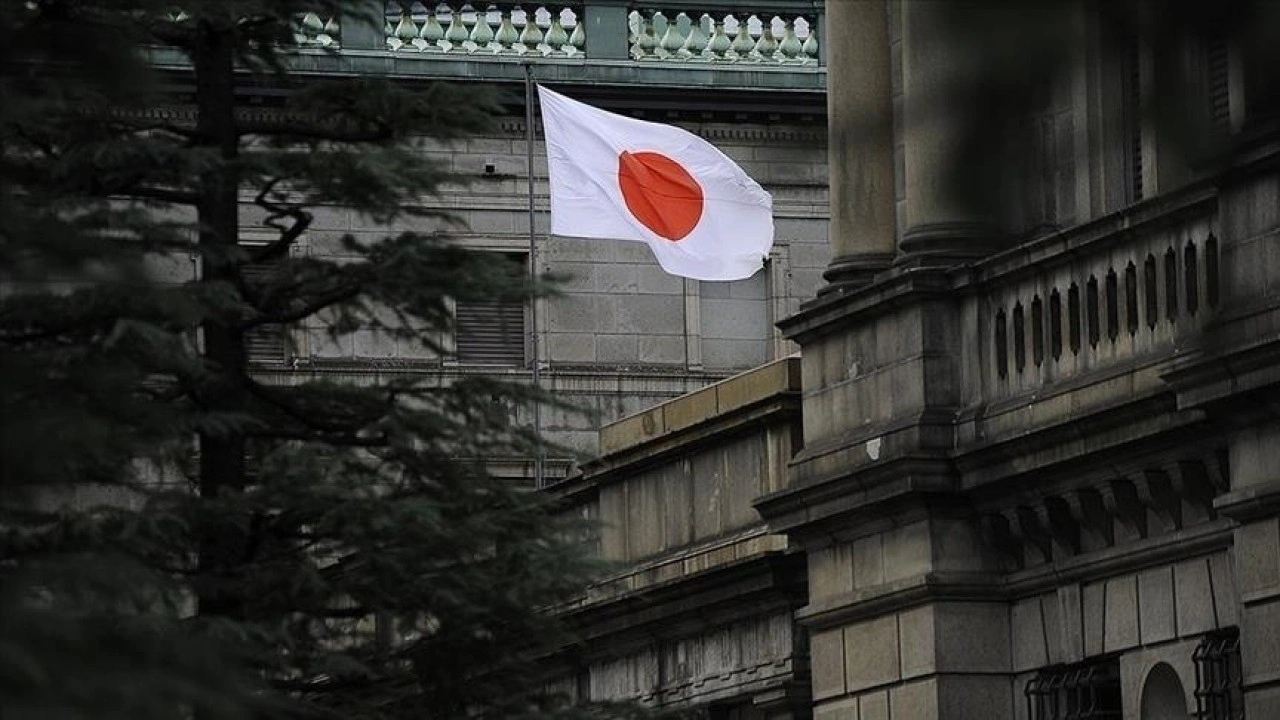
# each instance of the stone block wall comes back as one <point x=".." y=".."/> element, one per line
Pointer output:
<point x="622" y="335"/>
<point x="700" y="612"/>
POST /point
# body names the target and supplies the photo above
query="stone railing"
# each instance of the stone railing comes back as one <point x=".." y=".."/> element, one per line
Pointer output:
<point x="319" y="31"/>
<point x="641" y="32"/>
<point x="485" y="29"/>
<point x="1107" y="294"/>
<point x="723" y="37"/>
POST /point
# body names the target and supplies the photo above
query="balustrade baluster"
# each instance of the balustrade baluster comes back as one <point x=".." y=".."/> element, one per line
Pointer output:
<point x="308" y="29"/>
<point x="456" y="35"/>
<point x="766" y="47"/>
<point x="482" y="32"/>
<point x="789" y="49"/>
<point x="743" y="44"/>
<point x="646" y="39"/>
<point x="578" y="39"/>
<point x="719" y="44"/>
<point x="810" y="46"/>
<point x="672" y="40"/>
<point x="403" y="34"/>
<point x="332" y="31"/>
<point x="556" y="38"/>
<point x="432" y="31"/>
<point x="530" y="34"/>
<point x="507" y="36"/>
<point x="695" y="44"/>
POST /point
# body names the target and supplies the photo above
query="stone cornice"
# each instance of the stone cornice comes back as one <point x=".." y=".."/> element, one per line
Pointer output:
<point x="747" y="132"/>
<point x="993" y="587"/>
<point x="1250" y="503"/>
<point x="841" y="307"/>
<point x="769" y="582"/>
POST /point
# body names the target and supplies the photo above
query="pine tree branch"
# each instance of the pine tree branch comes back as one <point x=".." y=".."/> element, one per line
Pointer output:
<point x="289" y="235"/>
<point x="381" y="131"/>
<point x="323" y="301"/>
<point x="177" y="197"/>
<point x="310" y="420"/>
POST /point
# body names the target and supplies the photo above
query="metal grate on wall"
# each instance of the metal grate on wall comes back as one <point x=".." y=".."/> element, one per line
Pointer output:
<point x="492" y="332"/>
<point x="1085" y="691"/>
<point x="1219" y="677"/>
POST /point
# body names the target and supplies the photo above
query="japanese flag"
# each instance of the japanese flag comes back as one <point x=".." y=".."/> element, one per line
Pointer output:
<point x="617" y="178"/>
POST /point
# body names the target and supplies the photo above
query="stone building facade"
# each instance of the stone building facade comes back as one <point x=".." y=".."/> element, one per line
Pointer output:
<point x="1023" y="478"/>
<point x="622" y="335"/>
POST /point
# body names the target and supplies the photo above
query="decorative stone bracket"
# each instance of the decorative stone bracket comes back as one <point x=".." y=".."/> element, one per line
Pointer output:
<point x="1118" y="510"/>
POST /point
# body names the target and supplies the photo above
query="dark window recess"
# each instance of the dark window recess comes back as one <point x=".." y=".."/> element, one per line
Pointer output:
<point x="1219" y="679"/>
<point x="1132" y="117"/>
<point x="1087" y="691"/>
<point x="492" y="332"/>
<point x="1091" y="306"/>
<point x="264" y="344"/>
<point x="1002" y="346"/>
<point x="1113" y="306"/>
<point x="1218" y="81"/>
<point x="1191" y="271"/>
<point x="1073" y="317"/>
<point x="1055" y="323"/>
<point x="1019" y="339"/>
<point x="1211" y="271"/>
<point x="1131" y="297"/>
<point x="1150" y="279"/>
<point x="1037" y="331"/>
<point x="1171" y="285"/>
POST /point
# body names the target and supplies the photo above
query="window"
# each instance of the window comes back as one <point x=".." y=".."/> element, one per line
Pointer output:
<point x="264" y="344"/>
<point x="1002" y="345"/>
<point x="1055" y="323"/>
<point x="1219" y="679"/>
<point x="1131" y="90"/>
<point x="1019" y="339"/>
<point x="1037" y="331"/>
<point x="1113" y="306"/>
<point x="1091" y="308"/>
<point x="1085" y="691"/>
<point x="492" y="332"/>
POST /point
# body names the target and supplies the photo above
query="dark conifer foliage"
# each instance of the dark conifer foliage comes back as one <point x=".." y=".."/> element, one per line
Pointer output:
<point x="178" y="537"/>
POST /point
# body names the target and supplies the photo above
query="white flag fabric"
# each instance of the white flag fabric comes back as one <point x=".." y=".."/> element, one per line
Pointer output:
<point x="618" y="178"/>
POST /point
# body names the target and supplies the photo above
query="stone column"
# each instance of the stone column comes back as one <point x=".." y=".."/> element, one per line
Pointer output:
<point x="860" y="140"/>
<point x="939" y="226"/>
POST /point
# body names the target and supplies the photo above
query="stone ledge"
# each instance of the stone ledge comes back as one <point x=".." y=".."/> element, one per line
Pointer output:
<point x="1250" y="503"/>
<point x="688" y="411"/>
<point x="688" y="562"/>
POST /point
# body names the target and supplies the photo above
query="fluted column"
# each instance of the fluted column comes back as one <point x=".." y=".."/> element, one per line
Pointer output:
<point x="939" y="224"/>
<point x="860" y="140"/>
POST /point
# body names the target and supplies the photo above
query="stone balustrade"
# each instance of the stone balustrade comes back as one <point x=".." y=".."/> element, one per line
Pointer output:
<point x="722" y="37"/>
<point x="454" y="28"/>
<point x="318" y="31"/>
<point x="1106" y="295"/>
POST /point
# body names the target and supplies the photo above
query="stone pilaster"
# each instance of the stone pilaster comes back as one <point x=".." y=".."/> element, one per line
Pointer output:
<point x="860" y="147"/>
<point x="1254" y="502"/>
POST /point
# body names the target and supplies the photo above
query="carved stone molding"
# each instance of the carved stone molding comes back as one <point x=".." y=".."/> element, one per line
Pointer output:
<point x="1151" y="501"/>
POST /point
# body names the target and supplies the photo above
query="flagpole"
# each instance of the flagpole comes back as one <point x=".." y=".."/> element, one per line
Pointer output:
<point x="538" y="469"/>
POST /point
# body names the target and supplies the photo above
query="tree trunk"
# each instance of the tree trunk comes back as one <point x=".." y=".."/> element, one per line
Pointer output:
<point x="222" y="453"/>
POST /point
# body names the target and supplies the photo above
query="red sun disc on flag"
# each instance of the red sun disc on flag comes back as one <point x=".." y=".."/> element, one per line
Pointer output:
<point x="660" y="193"/>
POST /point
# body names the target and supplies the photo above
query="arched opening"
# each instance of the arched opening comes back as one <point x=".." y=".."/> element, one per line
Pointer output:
<point x="1163" y="697"/>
